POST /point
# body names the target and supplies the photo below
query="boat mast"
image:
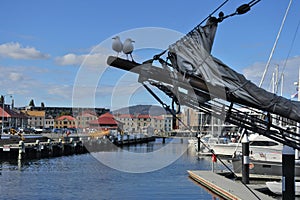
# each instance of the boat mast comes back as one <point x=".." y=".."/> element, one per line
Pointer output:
<point x="275" y="44"/>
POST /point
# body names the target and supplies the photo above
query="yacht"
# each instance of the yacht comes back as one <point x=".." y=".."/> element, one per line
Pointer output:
<point x="257" y="144"/>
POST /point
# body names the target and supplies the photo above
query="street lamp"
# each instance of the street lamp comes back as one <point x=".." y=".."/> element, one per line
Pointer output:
<point x="3" y="100"/>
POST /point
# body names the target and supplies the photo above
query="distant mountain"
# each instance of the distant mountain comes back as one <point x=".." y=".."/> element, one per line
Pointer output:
<point x="141" y="109"/>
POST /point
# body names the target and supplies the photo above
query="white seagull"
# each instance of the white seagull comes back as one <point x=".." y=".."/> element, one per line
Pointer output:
<point x="117" y="45"/>
<point x="128" y="47"/>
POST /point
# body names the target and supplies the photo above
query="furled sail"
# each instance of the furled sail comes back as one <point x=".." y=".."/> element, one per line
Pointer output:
<point x="191" y="55"/>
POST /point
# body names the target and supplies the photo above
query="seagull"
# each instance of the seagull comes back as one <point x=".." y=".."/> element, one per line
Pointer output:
<point x="128" y="47"/>
<point x="117" y="45"/>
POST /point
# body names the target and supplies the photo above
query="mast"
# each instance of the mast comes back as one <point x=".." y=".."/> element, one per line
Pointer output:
<point x="275" y="44"/>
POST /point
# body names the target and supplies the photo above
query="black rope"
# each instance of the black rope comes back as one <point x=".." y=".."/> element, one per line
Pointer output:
<point x="156" y="57"/>
<point x="242" y="9"/>
<point x="239" y="11"/>
<point x="220" y="6"/>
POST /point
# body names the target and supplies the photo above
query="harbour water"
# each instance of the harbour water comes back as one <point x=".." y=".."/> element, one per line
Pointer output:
<point x="85" y="177"/>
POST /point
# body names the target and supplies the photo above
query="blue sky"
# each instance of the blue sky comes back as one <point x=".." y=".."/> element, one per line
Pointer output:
<point x="48" y="48"/>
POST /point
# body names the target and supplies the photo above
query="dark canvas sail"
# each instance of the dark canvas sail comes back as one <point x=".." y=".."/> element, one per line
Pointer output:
<point x="191" y="55"/>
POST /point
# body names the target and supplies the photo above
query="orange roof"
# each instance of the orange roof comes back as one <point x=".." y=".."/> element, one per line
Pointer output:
<point x="158" y="117"/>
<point x="126" y="116"/>
<point x="144" y="116"/>
<point x="34" y="113"/>
<point x="87" y="115"/>
<point x="65" y="117"/>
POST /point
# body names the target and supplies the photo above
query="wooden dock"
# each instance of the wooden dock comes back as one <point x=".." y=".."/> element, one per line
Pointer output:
<point x="225" y="187"/>
<point x="44" y="147"/>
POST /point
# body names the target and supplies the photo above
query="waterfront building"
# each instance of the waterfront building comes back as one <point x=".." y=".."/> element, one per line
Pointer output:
<point x="141" y="123"/>
<point x="105" y="122"/>
<point x="158" y="124"/>
<point x="192" y="118"/>
<point x="36" y="119"/>
<point x="205" y="123"/>
<point x="11" y="117"/>
<point x="65" y="121"/>
<point x="129" y="122"/>
<point x="84" y="118"/>
<point x="168" y="122"/>
<point x="49" y="122"/>
<point x="73" y="111"/>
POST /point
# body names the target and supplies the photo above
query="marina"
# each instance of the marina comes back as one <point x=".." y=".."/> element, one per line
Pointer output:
<point x="81" y="176"/>
<point x="214" y="133"/>
<point x="217" y="181"/>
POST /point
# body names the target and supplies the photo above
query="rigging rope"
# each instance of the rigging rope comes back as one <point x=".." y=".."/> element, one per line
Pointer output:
<point x="285" y="62"/>
<point x="167" y="108"/>
<point x="275" y="44"/>
<point x="239" y="11"/>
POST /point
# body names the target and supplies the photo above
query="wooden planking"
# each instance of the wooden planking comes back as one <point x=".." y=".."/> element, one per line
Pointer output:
<point x="225" y="187"/>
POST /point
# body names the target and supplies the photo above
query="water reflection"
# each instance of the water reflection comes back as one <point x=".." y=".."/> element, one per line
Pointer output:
<point x="84" y="177"/>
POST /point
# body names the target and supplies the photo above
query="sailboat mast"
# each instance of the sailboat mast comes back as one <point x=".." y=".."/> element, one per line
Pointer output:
<point x="275" y="44"/>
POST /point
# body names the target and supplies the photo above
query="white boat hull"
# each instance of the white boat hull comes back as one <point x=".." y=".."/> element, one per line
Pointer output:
<point x="261" y="167"/>
<point x="258" y="145"/>
<point x="276" y="187"/>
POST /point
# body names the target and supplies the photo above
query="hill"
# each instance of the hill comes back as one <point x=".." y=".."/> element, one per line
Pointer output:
<point x="141" y="109"/>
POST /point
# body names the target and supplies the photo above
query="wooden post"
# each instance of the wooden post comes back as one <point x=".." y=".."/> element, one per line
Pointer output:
<point x="21" y="149"/>
<point x="199" y="138"/>
<point x="38" y="148"/>
<point x="50" y="148"/>
<point x="245" y="161"/>
<point x="288" y="173"/>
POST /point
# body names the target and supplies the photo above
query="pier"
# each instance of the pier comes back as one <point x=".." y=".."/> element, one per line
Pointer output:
<point x="224" y="187"/>
<point x="46" y="147"/>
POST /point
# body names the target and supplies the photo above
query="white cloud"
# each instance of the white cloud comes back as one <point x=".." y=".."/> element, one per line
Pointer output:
<point x="17" y="51"/>
<point x="291" y="72"/>
<point x="64" y="91"/>
<point x="15" y="76"/>
<point x="89" y="60"/>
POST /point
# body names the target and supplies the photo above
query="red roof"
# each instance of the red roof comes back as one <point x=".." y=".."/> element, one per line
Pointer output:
<point x="11" y="113"/>
<point x="65" y="117"/>
<point x="105" y="119"/>
<point x="5" y="114"/>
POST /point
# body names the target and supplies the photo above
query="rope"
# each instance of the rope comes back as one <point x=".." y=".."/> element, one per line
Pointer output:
<point x="220" y="6"/>
<point x="167" y="108"/>
<point x="239" y="11"/>
<point x="285" y="62"/>
<point x="275" y="44"/>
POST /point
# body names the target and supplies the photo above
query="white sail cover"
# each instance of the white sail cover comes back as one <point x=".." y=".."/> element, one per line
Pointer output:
<point x="191" y="55"/>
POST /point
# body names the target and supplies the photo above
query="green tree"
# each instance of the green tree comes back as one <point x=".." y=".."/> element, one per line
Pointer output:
<point x="65" y="113"/>
<point x="2" y="99"/>
<point x="31" y="103"/>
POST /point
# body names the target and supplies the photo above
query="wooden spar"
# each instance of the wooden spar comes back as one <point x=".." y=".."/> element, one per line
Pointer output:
<point x="196" y="83"/>
<point x="123" y="64"/>
<point x="156" y="73"/>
